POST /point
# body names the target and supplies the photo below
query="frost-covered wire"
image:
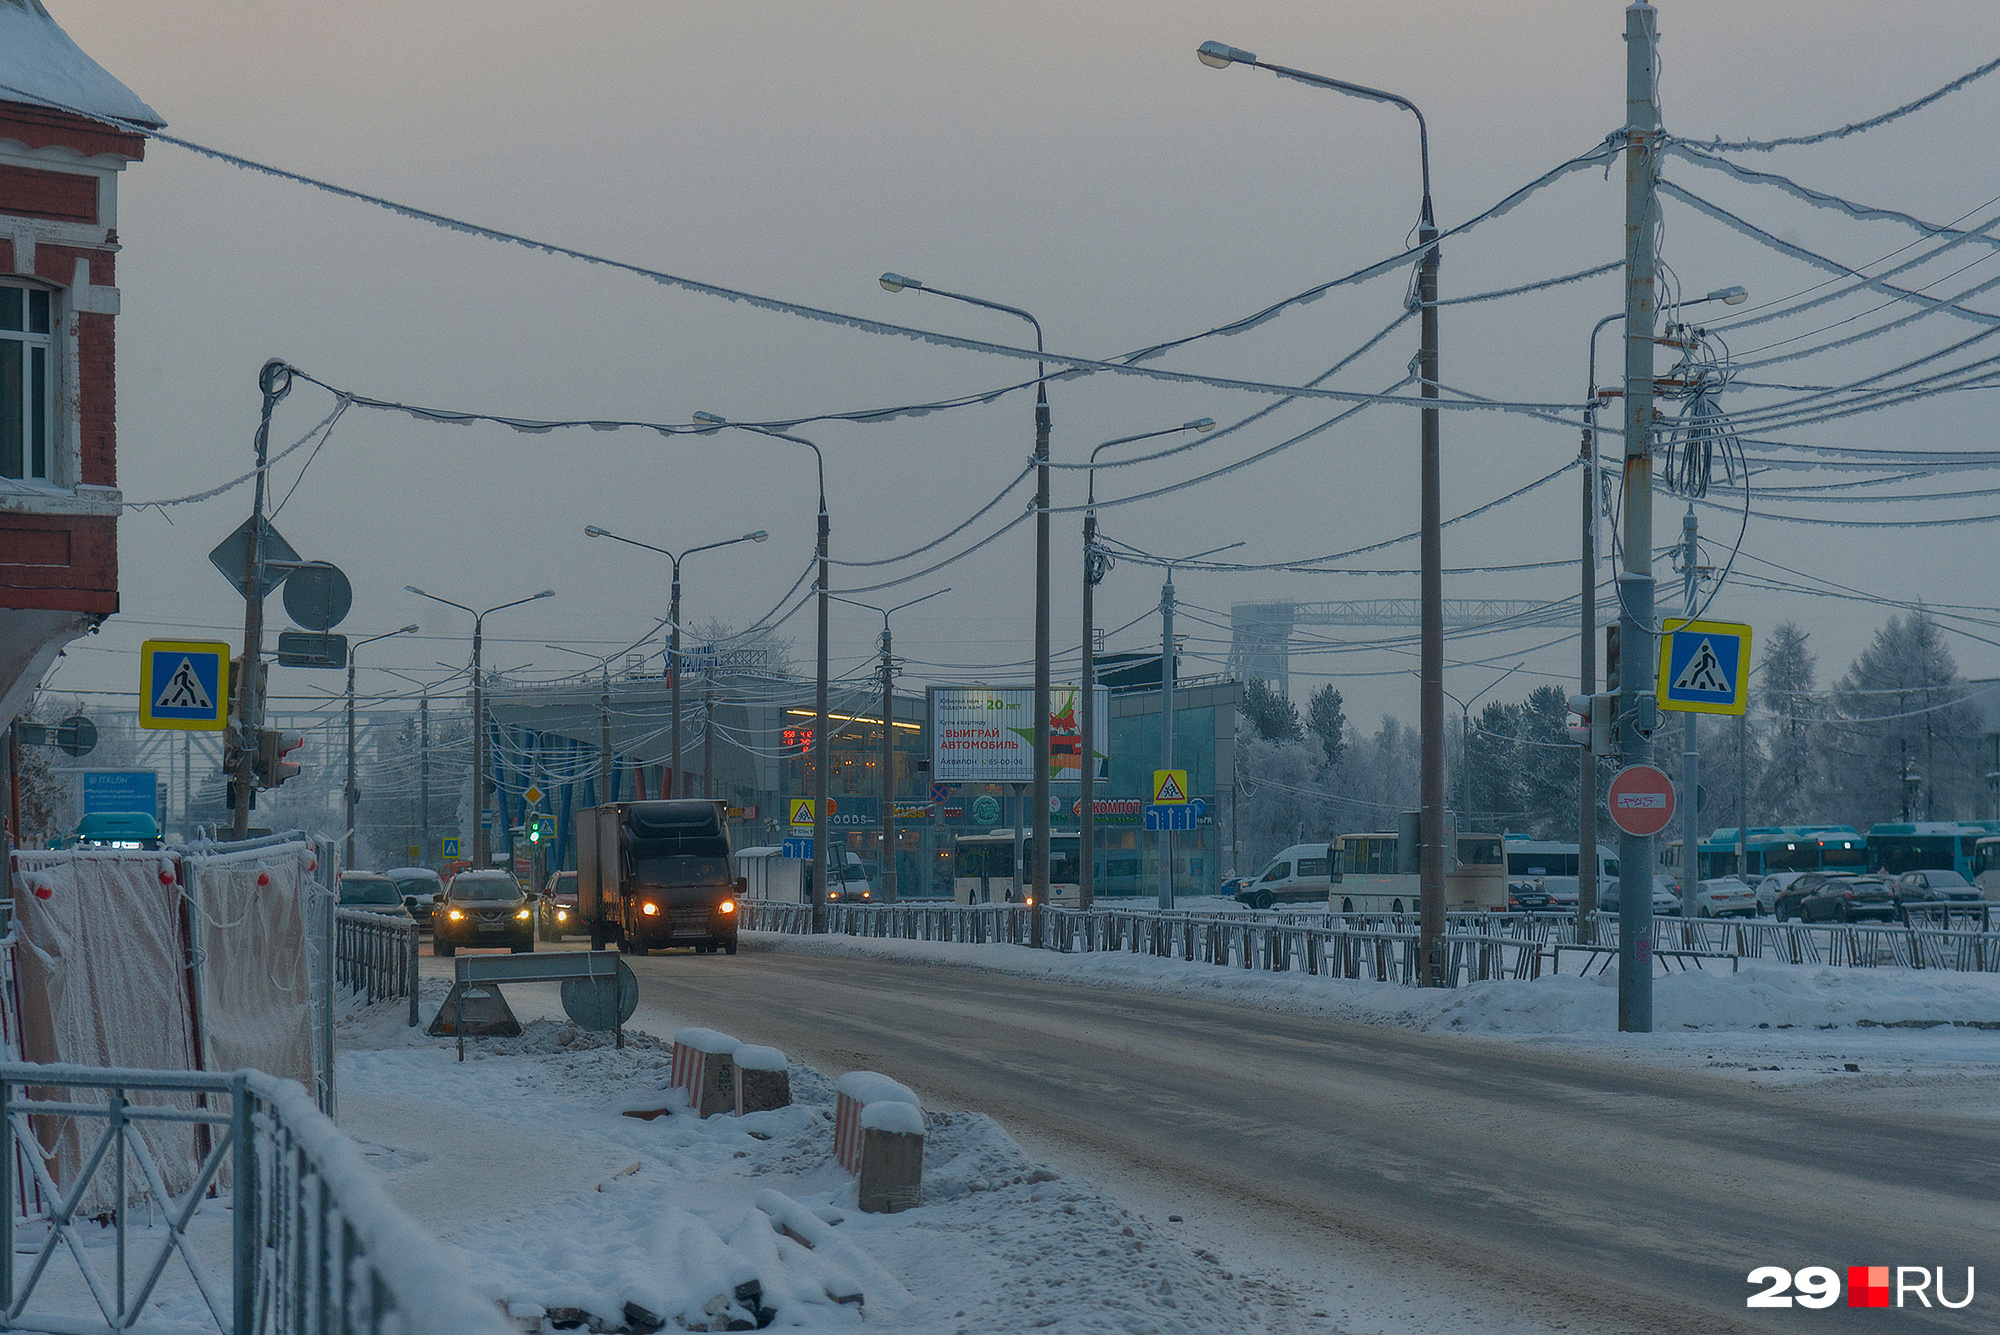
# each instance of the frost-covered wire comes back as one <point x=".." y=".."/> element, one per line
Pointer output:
<point x="1854" y="127"/>
<point x="325" y="424"/>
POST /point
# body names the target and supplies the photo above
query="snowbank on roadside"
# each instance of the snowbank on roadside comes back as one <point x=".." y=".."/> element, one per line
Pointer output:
<point x="566" y="1210"/>
<point x="1759" y="994"/>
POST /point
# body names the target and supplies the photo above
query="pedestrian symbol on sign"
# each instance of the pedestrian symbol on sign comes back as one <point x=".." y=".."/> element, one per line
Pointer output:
<point x="1704" y="673"/>
<point x="183" y="690"/>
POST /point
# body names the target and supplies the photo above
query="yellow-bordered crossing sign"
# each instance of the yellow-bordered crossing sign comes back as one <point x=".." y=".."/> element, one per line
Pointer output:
<point x="1704" y="666"/>
<point x="184" y="684"/>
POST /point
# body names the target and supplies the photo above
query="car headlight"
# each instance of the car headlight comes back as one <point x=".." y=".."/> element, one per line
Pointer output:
<point x="562" y="915"/>
<point x="455" y="915"/>
<point x="728" y="906"/>
<point x="524" y="915"/>
<point x="649" y="909"/>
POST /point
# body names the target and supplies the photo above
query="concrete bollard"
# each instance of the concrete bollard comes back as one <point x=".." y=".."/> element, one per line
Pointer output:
<point x="878" y="1135"/>
<point x="892" y="1158"/>
<point x="762" y="1082"/>
<point x="705" y="1069"/>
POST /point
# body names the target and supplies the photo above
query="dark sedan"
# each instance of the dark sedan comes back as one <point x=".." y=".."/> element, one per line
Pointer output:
<point x="1528" y="897"/>
<point x="1821" y="897"/>
<point x="1934" y="887"/>
<point x="482" y="908"/>
<point x="371" y="893"/>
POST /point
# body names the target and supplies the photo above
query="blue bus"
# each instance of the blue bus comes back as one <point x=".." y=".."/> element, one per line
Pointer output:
<point x="1895" y="847"/>
<point x="1768" y="849"/>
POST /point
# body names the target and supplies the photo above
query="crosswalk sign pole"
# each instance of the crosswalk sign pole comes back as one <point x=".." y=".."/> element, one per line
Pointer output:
<point x="275" y="381"/>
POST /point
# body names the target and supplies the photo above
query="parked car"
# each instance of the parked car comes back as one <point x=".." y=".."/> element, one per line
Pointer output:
<point x="482" y="908"/>
<point x="1724" y="897"/>
<point x="371" y="892"/>
<point x="1826" y="897"/>
<point x="1562" y="891"/>
<point x="1529" y="896"/>
<point x="1934" y="887"/>
<point x="555" y="912"/>
<point x="1666" y="904"/>
<point x="1232" y="886"/>
<point x="1768" y="888"/>
<point x="420" y="888"/>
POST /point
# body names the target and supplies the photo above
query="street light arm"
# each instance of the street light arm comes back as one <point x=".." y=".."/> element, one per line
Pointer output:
<point x="410" y="629"/>
<point x="1202" y="424"/>
<point x="819" y="459"/>
<point x="411" y="588"/>
<point x="545" y="593"/>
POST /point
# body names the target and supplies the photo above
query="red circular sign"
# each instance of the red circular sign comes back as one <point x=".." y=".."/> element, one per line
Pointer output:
<point x="1641" y="800"/>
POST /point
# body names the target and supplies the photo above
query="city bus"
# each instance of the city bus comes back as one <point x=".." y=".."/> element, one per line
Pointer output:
<point x="1899" y="846"/>
<point x="1985" y="869"/>
<point x="983" y="870"/>
<point x="1372" y="875"/>
<point x="1546" y="857"/>
<point x="1769" y="849"/>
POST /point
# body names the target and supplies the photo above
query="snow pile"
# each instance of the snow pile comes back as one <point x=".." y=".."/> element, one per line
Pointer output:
<point x="611" y="1223"/>
<point x="706" y="1040"/>
<point x="750" y="1057"/>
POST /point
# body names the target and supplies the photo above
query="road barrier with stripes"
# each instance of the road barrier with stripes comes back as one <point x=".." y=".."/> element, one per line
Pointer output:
<point x="1383" y="946"/>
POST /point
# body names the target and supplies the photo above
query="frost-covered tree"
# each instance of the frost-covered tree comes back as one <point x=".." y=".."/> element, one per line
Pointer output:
<point x="1377" y="780"/>
<point x="1902" y="737"/>
<point x="1791" y="789"/>
<point x="1280" y="799"/>
<point x="1493" y="754"/>
<point x="1550" y="776"/>
<point x="1326" y="719"/>
<point x="1275" y="718"/>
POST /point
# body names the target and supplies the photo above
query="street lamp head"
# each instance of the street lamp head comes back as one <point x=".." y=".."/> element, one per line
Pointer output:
<point x="758" y="536"/>
<point x="1730" y="296"/>
<point x="1220" y="55"/>
<point x="895" y="282"/>
<point x="545" y="593"/>
<point x="593" y="531"/>
<point x="410" y="629"/>
<point x="1200" y="424"/>
<point x="411" y="588"/>
<point x="713" y="422"/>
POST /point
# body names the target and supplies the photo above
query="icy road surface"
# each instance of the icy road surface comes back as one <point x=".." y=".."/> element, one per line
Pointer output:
<point x="1411" y="1181"/>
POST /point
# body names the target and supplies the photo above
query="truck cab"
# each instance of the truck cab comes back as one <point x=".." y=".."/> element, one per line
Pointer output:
<point x="657" y="874"/>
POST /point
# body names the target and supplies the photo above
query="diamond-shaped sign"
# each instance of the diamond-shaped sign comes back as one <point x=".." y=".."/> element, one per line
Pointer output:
<point x="232" y="557"/>
<point x="532" y="796"/>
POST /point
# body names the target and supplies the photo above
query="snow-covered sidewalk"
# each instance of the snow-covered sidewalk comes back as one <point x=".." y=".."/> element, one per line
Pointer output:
<point x="568" y="1211"/>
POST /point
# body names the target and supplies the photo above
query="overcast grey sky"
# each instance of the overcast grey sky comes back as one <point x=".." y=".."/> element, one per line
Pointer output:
<point x="1072" y="158"/>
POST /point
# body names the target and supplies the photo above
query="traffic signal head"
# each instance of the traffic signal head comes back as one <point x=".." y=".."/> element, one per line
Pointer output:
<point x="1593" y="722"/>
<point x="534" y="832"/>
<point x="272" y="748"/>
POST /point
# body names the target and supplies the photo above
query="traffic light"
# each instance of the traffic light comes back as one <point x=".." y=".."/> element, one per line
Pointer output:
<point x="1593" y="722"/>
<point x="535" y="831"/>
<point x="272" y="748"/>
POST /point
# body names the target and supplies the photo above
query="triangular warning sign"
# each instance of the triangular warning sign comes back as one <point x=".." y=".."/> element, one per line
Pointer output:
<point x="184" y="690"/>
<point x="1169" y="791"/>
<point x="802" y="811"/>
<point x="1703" y="672"/>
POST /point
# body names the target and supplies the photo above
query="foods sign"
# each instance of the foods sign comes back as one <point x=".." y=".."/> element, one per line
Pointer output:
<point x="987" y="735"/>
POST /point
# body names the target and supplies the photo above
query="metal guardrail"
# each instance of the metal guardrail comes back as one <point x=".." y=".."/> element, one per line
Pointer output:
<point x="316" y="1247"/>
<point x="1478" y="946"/>
<point x="376" y="954"/>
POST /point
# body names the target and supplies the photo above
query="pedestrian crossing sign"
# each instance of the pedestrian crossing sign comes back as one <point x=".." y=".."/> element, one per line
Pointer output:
<point x="1170" y="787"/>
<point x="1704" y="666"/>
<point x="184" y="684"/>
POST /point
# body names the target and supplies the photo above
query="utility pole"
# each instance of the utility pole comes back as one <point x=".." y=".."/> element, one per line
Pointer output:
<point x="1086" y="812"/>
<point x="1586" y="824"/>
<point x="274" y="381"/>
<point x="888" y="770"/>
<point x="1690" y="734"/>
<point x="1167" y="729"/>
<point x="707" y="728"/>
<point x="604" y="771"/>
<point x="674" y="657"/>
<point x="424" y="775"/>
<point x="1635" y="579"/>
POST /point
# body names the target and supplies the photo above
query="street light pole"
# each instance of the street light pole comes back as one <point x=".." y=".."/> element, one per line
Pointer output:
<point x="274" y="381"/>
<point x="1465" y="741"/>
<point x="1095" y="565"/>
<point x="481" y="845"/>
<point x="822" y="744"/>
<point x="674" y="624"/>
<point x="1167" y="710"/>
<point x="353" y="796"/>
<point x="1039" y="893"/>
<point x="1430" y="710"/>
<point x="886" y="779"/>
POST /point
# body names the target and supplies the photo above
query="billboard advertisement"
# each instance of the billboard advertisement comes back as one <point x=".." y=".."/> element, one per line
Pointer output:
<point x="986" y="734"/>
<point x="120" y="790"/>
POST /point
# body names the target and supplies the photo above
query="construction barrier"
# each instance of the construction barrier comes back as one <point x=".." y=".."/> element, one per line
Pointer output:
<point x="878" y="1135"/>
<point x="705" y="1070"/>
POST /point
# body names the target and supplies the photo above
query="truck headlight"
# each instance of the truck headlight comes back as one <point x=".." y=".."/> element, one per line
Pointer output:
<point x="455" y="915"/>
<point x="651" y="910"/>
<point x="562" y="915"/>
<point x="728" y="906"/>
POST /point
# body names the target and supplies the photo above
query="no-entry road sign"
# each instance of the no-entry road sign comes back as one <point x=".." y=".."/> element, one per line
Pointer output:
<point x="1641" y="800"/>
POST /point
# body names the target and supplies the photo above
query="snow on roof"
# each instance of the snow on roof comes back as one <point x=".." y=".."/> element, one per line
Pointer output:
<point x="40" y="64"/>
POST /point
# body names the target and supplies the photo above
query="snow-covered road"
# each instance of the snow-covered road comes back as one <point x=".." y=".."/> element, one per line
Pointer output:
<point x="1411" y="1181"/>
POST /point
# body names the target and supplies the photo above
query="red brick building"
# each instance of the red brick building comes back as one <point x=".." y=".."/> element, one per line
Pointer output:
<point x="59" y="497"/>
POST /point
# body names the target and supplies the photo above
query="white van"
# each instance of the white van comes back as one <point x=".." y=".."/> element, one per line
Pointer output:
<point x="1301" y="874"/>
<point x="772" y="876"/>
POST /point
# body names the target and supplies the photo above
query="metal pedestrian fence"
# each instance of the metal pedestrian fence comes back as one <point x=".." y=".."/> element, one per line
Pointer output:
<point x="375" y="954"/>
<point x="315" y="1247"/>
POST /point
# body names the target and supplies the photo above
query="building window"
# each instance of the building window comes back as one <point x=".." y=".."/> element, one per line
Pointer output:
<point x="27" y="383"/>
